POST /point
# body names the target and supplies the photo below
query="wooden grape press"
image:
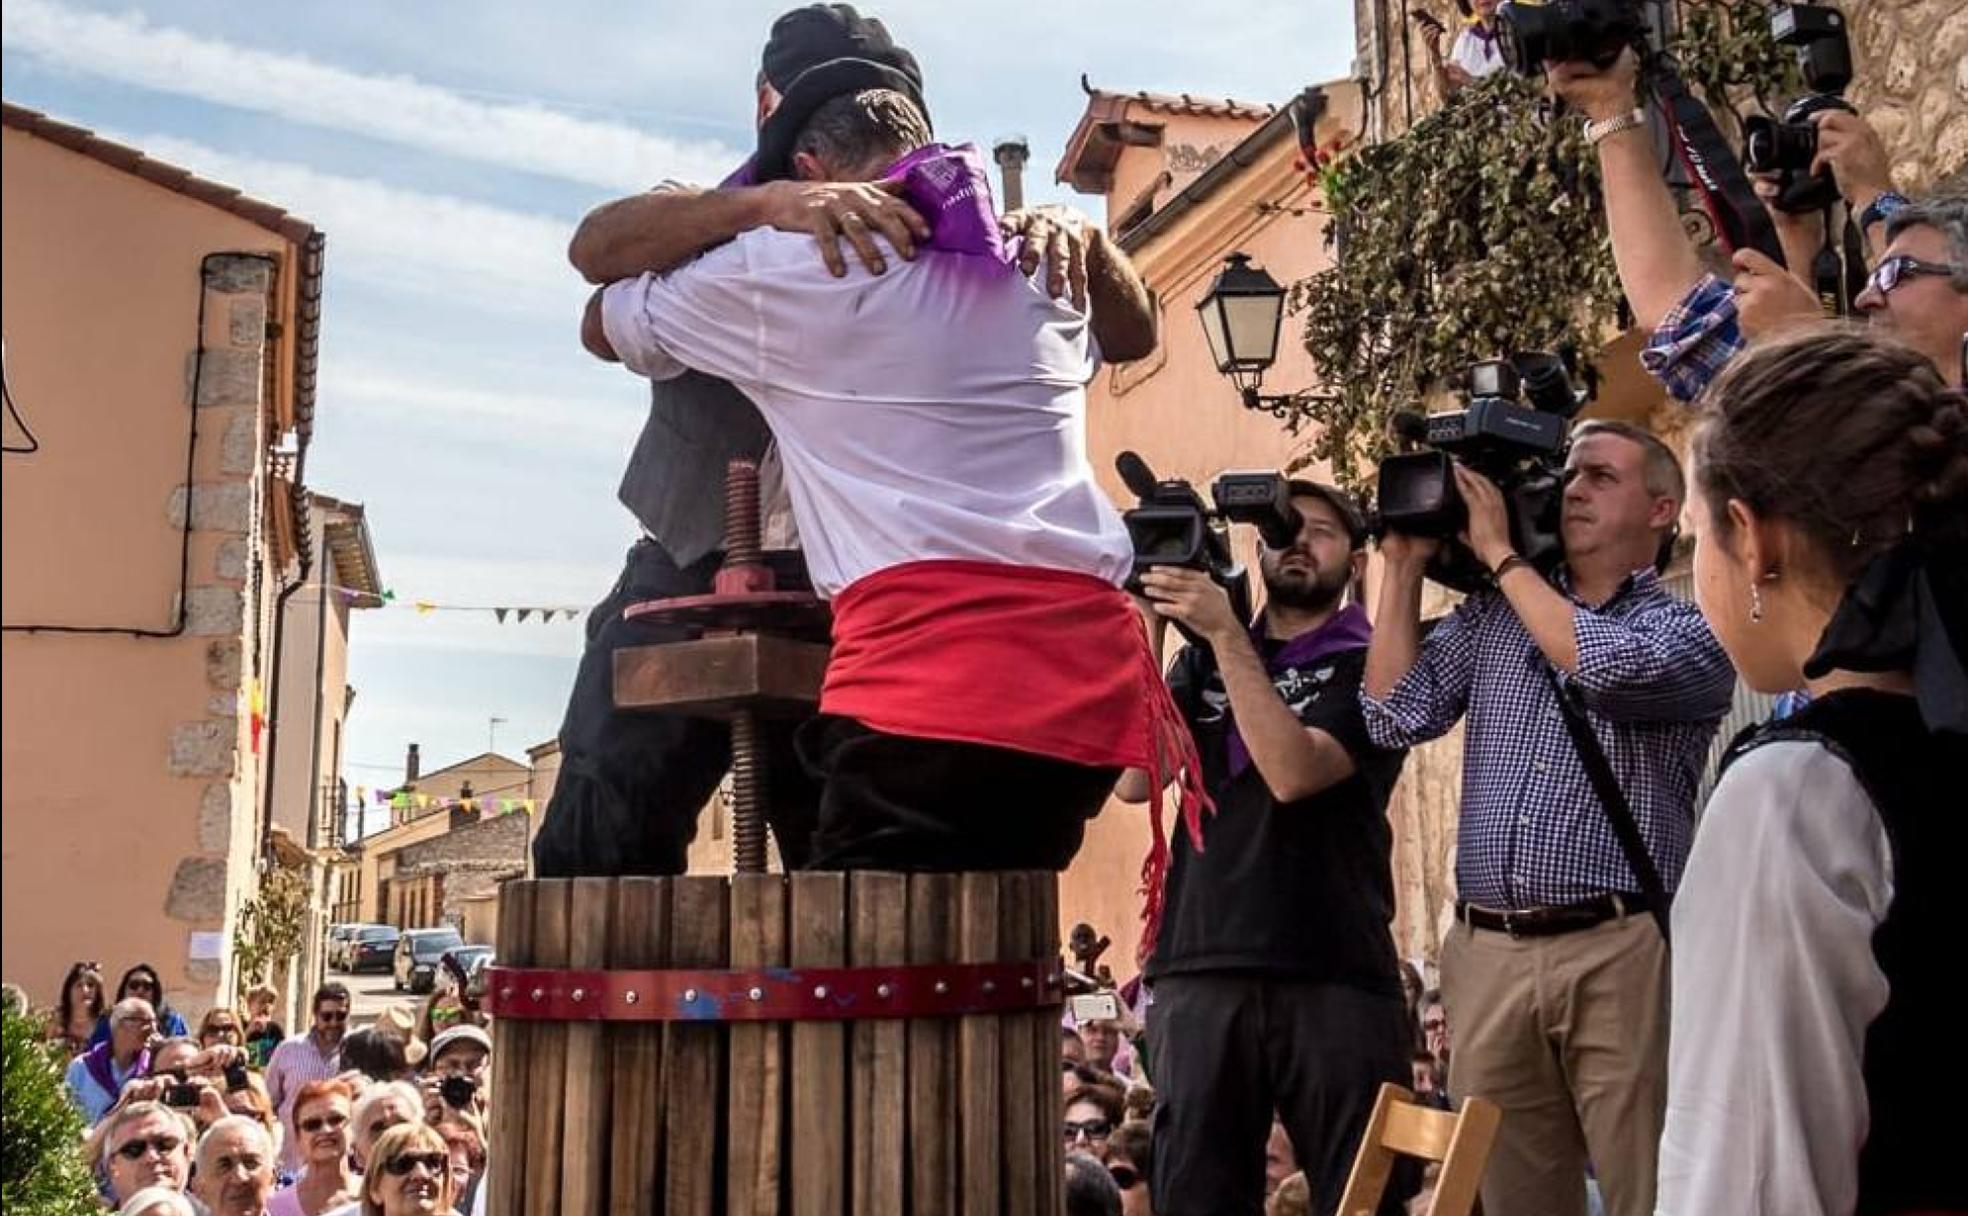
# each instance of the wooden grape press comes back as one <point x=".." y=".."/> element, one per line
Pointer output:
<point x="812" y="1044"/>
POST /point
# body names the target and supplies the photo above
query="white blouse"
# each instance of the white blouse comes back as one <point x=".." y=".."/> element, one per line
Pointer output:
<point x="1775" y="983"/>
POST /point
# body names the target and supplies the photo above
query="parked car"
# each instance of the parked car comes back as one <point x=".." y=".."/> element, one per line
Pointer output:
<point x="371" y="949"/>
<point x="465" y="961"/>
<point x="417" y="952"/>
<point x="338" y="936"/>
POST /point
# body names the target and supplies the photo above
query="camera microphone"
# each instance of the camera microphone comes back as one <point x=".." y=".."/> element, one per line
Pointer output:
<point x="1136" y="473"/>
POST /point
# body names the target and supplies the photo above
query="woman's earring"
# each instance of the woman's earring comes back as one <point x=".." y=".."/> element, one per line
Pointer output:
<point x="1755" y="602"/>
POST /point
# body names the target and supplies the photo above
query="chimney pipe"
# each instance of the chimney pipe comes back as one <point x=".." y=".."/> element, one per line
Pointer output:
<point x="412" y="765"/>
<point x="1011" y="152"/>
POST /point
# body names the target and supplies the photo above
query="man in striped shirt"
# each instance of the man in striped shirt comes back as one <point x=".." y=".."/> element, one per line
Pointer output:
<point x="1555" y="976"/>
<point x="313" y="1056"/>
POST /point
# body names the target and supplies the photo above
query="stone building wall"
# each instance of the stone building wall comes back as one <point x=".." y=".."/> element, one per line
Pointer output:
<point x="471" y="859"/>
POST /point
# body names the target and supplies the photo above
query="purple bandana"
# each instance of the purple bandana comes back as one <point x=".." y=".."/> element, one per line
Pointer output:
<point x="1347" y="630"/>
<point x="950" y="188"/>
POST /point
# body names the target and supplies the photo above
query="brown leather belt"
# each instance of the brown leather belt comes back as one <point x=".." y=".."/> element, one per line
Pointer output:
<point x="1549" y="922"/>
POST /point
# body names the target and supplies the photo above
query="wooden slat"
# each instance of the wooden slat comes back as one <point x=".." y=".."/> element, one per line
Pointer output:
<point x="1418" y="1131"/>
<point x="639" y="938"/>
<point x="509" y="1064"/>
<point x="932" y="1053"/>
<point x="756" y="1070"/>
<point x="1469" y="1152"/>
<point x="979" y="1133"/>
<point x="1023" y="1123"/>
<point x="583" y="1171"/>
<point x="1372" y="1164"/>
<point x="878" y="933"/>
<point x="819" y="1075"/>
<point x="546" y="1075"/>
<point x="693" y="1067"/>
<point x="1045" y="1090"/>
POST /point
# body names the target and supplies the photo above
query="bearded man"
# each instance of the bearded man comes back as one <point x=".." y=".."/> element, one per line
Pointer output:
<point x="1274" y="976"/>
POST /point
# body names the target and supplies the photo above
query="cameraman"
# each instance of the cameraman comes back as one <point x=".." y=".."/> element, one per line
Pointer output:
<point x="1275" y="978"/>
<point x="1918" y="289"/>
<point x="1556" y="976"/>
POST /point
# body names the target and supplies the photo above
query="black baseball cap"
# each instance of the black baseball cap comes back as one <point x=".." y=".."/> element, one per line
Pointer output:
<point x="1339" y="500"/>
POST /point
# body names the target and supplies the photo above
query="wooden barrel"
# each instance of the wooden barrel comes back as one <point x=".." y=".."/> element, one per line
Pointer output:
<point x="819" y="1044"/>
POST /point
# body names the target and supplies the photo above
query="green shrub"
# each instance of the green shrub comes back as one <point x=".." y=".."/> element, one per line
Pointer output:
<point x="41" y="1167"/>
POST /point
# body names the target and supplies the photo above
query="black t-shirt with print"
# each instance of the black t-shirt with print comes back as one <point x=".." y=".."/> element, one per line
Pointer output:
<point x="1303" y="889"/>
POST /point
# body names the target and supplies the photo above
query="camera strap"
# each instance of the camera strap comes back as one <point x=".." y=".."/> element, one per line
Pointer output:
<point x="1718" y="176"/>
<point x="1600" y="771"/>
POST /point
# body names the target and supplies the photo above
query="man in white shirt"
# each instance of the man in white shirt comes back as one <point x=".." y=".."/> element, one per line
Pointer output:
<point x="989" y="677"/>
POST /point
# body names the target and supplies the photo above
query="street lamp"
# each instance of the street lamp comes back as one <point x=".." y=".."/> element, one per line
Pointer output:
<point x="1241" y="315"/>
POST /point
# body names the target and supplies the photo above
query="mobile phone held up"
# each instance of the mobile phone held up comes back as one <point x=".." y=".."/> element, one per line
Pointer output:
<point x="1094" y="1007"/>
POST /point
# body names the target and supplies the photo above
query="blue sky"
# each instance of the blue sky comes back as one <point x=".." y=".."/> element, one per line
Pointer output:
<point x="448" y="150"/>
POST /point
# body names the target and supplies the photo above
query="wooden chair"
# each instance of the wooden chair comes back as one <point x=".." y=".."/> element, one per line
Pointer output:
<point x="1400" y="1127"/>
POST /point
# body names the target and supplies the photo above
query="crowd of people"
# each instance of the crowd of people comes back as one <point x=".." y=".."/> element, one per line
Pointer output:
<point x="239" y="1120"/>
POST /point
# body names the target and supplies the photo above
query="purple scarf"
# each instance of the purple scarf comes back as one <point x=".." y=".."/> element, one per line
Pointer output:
<point x="98" y="1062"/>
<point x="1347" y="630"/>
<point x="950" y="188"/>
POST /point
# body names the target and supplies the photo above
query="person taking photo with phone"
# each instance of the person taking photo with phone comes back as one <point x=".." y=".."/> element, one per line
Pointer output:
<point x="1253" y="1009"/>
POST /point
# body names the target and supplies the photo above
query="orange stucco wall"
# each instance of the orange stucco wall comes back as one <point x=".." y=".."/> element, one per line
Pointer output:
<point x="102" y="288"/>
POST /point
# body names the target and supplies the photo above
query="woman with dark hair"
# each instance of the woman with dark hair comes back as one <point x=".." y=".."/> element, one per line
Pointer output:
<point x="79" y="1009"/>
<point x="1832" y="471"/>
<point x="141" y="982"/>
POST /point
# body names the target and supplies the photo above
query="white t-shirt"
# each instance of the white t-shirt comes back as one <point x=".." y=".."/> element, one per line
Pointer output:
<point x="1775" y="983"/>
<point x="1475" y="54"/>
<point x="937" y="411"/>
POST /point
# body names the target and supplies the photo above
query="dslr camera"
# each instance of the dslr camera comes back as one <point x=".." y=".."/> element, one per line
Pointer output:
<point x="1595" y="31"/>
<point x="1174" y="526"/>
<point x="1786" y="146"/>
<point x="1514" y="430"/>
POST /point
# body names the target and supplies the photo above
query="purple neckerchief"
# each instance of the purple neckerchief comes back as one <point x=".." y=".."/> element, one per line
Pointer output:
<point x="949" y="187"/>
<point x="1347" y="630"/>
<point x="98" y="1061"/>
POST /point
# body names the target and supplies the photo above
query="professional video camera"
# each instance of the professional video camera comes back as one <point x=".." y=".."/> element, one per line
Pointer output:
<point x="1173" y="526"/>
<point x="1513" y="431"/>
<point x="1786" y="146"/>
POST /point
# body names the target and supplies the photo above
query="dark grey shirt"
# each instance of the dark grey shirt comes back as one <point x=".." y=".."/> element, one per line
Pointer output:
<point x="674" y="484"/>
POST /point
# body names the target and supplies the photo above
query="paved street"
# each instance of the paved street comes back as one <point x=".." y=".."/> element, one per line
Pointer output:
<point x="372" y="993"/>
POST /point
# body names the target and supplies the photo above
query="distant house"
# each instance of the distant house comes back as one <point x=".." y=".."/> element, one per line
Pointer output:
<point x="161" y="337"/>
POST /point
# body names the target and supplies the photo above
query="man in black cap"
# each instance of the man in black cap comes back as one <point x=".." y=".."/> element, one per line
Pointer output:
<point x="631" y="784"/>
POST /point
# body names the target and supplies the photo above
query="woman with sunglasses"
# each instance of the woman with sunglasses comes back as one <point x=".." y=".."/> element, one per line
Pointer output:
<point x="409" y="1173"/>
<point x="79" y="1010"/>
<point x="141" y="982"/>
<point x="220" y="1027"/>
<point x="443" y="1010"/>
<point x="321" y="1121"/>
<point x="1093" y="1111"/>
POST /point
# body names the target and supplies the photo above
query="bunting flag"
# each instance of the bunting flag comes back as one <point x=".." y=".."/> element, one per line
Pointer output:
<point x="406" y="800"/>
<point x="548" y="613"/>
<point x="256" y="707"/>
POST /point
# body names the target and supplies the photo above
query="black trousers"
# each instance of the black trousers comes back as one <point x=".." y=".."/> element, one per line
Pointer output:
<point x="631" y="784"/>
<point x="1226" y="1049"/>
<point x="892" y="802"/>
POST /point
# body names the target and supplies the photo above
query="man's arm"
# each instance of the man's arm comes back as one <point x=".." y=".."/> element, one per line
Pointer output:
<point x="1081" y="259"/>
<point x="1658" y="265"/>
<point x="658" y="231"/>
<point x="703" y="316"/>
<point x="1294" y="760"/>
<point x="1414" y="691"/>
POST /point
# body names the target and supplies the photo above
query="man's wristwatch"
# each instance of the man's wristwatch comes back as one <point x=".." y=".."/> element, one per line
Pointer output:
<point x="1507" y="565"/>
<point x="1598" y="129"/>
<point x="1882" y="207"/>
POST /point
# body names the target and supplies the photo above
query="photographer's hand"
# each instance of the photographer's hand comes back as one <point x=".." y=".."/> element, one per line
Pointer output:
<point x="1192" y="598"/>
<point x="1770" y="299"/>
<point x="1801" y="234"/>
<point x="1598" y="93"/>
<point x="1545" y="611"/>
<point x="1856" y="157"/>
<point x="1488" y="533"/>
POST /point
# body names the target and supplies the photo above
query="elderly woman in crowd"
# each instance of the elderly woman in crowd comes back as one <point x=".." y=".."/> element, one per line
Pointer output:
<point x="144" y="1146"/>
<point x="1093" y="1111"/>
<point x="221" y="1026"/>
<point x="78" y="1010"/>
<point x="323" y="1114"/>
<point x="233" y="1172"/>
<point x="409" y="1174"/>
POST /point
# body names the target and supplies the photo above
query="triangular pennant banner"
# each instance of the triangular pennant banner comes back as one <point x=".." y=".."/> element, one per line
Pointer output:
<point x="523" y="614"/>
<point x="501" y="614"/>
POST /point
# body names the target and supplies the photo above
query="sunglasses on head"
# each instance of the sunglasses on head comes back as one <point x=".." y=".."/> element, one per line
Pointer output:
<point x="333" y="1123"/>
<point x="401" y="1164"/>
<point x="134" y="1150"/>
<point x="1124" y="1176"/>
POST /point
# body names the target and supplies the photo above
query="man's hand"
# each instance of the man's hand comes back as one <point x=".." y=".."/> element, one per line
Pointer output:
<point x="143" y="1089"/>
<point x="211" y="1103"/>
<point x="1399" y="549"/>
<point x="1799" y="234"/>
<point x="1058" y="234"/>
<point x="1191" y="598"/>
<point x="1598" y="93"/>
<point x="1852" y="150"/>
<point x="851" y="211"/>
<point x="1488" y="533"/>
<point x="1769" y="299"/>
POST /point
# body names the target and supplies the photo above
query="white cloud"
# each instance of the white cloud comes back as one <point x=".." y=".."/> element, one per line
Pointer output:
<point x="472" y="253"/>
<point x="400" y="109"/>
<point x="524" y="419"/>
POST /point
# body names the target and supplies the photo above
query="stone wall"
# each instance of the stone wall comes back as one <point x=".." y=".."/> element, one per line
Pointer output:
<point x="472" y="858"/>
<point x="1912" y="85"/>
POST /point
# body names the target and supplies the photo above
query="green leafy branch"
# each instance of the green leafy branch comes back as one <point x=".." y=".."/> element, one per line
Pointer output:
<point x="271" y="927"/>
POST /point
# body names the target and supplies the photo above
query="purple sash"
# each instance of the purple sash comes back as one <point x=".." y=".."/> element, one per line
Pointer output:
<point x="97" y="1061"/>
<point x="950" y="188"/>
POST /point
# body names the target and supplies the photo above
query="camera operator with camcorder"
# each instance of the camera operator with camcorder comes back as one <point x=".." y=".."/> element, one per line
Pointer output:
<point x="1917" y="289"/>
<point x="1275" y="979"/>
<point x="1588" y="699"/>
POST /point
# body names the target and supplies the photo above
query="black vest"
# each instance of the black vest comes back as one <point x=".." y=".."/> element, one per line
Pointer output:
<point x="1911" y="1159"/>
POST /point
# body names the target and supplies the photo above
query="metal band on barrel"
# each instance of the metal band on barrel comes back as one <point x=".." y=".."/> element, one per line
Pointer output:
<point x="773" y="994"/>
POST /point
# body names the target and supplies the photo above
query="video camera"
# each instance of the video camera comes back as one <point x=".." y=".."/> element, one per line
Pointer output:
<point x="1173" y="526"/>
<point x="1786" y="146"/>
<point x="1513" y="431"/>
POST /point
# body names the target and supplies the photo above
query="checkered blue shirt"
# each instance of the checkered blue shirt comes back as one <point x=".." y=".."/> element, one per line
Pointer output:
<point x="1655" y="684"/>
<point x="1695" y="339"/>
